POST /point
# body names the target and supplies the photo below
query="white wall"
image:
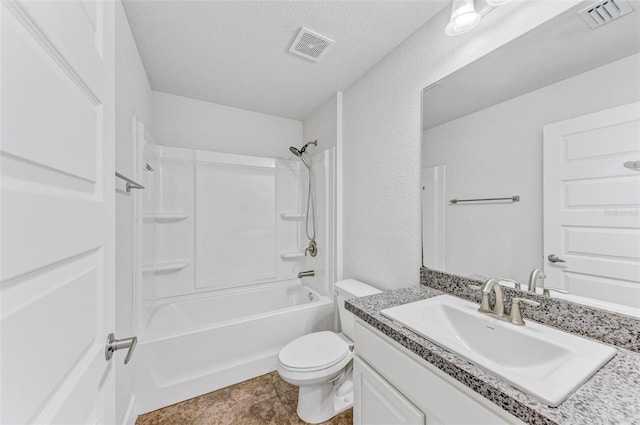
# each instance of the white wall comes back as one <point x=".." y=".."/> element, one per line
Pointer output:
<point x="190" y="123"/>
<point x="382" y="126"/>
<point x="133" y="97"/>
<point x="322" y="125"/>
<point x="498" y="152"/>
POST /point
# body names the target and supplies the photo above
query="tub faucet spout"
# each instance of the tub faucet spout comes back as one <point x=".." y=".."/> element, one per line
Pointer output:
<point x="307" y="273"/>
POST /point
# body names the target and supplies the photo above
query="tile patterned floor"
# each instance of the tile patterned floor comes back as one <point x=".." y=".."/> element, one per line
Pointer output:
<point x="265" y="400"/>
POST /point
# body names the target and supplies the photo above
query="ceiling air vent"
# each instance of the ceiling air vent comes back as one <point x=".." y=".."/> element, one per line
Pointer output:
<point x="310" y="45"/>
<point x="604" y="12"/>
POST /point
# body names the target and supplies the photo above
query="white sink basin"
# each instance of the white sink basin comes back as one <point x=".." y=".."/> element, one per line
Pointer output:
<point x="545" y="363"/>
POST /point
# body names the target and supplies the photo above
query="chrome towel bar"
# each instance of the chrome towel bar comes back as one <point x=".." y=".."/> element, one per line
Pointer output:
<point x="130" y="183"/>
<point x="632" y="165"/>
<point x="515" y="198"/>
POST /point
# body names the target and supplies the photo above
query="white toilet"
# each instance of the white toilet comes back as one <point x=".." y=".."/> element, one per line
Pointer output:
<point x="320" y="363"/>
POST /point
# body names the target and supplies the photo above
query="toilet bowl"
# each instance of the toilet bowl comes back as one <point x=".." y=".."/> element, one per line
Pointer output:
<point x="320" y="363"/>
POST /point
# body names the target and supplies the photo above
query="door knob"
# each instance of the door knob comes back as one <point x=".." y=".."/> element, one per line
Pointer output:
<point x="114" y="345"/>
<point x="555" y="259"/>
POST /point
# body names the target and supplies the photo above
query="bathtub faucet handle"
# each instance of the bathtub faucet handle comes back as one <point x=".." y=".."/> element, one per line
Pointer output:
<point x="312" y="249"/>
<point x="114" y="345"/>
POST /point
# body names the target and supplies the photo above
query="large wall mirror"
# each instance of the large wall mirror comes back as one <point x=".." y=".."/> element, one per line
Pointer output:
<point x="531" y="159"/>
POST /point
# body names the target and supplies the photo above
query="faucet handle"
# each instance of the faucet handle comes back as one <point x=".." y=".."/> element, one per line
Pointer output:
<point x="547" y="291"/>
<point x="517" y="284"/>
<point x="476" y="287"/>
<point x="515" y="316"/>
<point x="517" y="300"/>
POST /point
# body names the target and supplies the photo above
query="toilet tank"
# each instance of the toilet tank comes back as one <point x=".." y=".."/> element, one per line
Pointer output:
<point x="347" y="289"/>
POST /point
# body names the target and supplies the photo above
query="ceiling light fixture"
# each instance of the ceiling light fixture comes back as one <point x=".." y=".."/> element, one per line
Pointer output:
<point x="464" y="17"/>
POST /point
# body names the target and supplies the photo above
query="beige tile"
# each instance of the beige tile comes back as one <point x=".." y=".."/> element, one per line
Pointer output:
<point x="290" y="400"/>
<point x="283" y="387"/>
<point x="280" y="384"/>
<point x="274" y="376"/>
<point x="267" y="412"/>
<point x="240" y="395"/>
<point x="192" y="411"/>
<point x="344" y="418"/>
<point x="260" y="401"/>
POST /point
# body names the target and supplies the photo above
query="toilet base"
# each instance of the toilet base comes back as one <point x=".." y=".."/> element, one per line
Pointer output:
<point x="321" y="402"/>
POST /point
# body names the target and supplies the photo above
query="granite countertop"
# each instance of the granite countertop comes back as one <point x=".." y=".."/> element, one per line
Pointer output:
<point x="611" y="396"/>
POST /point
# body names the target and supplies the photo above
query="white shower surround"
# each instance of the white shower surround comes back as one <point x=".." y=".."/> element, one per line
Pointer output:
<point x="210" y="318"/>
<point x="220" y="221"/>
<point x="202" y="344"/>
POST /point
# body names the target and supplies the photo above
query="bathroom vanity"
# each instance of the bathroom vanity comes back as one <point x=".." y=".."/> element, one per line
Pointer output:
<point x="403" y="378"/>
<point x="395" y="386"/>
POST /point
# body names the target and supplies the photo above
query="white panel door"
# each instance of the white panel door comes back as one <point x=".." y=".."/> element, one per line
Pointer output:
<point x="592" y="205"/>
<point x="57" y="223"/>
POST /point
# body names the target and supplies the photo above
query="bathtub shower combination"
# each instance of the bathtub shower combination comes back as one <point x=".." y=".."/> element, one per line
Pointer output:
<point x="223" y="240"/>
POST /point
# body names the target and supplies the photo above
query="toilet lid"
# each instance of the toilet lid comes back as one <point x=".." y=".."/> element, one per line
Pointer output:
<point x="315" y="351"/>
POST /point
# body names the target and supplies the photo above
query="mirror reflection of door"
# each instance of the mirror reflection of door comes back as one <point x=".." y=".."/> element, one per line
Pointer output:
<point x="485" y="123"/>
<point x="592" y="205"/>
<point x="433" y="204"/>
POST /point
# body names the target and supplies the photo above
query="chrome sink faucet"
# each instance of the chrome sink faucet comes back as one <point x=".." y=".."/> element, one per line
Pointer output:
<point x="535" y="275"/>
<point x="514" y="317"/>
<point x="486" y="288"/>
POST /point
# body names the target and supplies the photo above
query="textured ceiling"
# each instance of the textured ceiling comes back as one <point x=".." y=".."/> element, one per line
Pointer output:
<point x="235" y="53"/>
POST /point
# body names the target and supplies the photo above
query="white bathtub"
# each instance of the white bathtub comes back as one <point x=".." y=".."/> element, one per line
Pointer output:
<point x="193" y="347"/>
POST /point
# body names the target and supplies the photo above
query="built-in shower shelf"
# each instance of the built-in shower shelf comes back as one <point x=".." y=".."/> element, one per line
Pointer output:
<point x="165" y="267"/>
<point x="165" y="217"/>
<point x="292" y="216"/>
<point x="292" y="256"/>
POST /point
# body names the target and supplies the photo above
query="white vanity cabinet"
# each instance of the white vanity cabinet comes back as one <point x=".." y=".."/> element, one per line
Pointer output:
<point x="377" y="402"/>
<point x="395" y="386"/>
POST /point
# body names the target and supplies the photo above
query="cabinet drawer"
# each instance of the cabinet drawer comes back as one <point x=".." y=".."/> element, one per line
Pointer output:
<point x="431" y="390"/>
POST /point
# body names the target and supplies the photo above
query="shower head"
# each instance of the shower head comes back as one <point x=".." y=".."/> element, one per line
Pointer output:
<point x="299" y="152"/>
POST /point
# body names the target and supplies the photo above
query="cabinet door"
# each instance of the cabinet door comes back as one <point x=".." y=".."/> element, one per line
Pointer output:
<point x="377" y="402"/>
